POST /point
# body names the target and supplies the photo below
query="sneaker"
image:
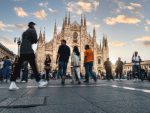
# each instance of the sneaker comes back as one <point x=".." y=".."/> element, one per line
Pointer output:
<point x="13" y="86"/>
<point x="42" y="84"/>
<point x="86" y="81"/>
<point x="23" y="81"/>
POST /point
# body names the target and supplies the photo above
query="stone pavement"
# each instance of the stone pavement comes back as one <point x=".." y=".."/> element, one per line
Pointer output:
<point x="101" y="97"/>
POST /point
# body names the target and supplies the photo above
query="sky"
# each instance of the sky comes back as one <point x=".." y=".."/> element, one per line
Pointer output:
<point x="125" y="22"/>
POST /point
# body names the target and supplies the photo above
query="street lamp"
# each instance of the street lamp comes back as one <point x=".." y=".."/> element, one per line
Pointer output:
<point x="18" y="41"/>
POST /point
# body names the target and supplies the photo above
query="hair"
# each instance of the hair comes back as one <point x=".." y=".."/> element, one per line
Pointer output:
<point x="64" y="41"/>
<point x="87" y="46"/>
<point x="76" y="50"/>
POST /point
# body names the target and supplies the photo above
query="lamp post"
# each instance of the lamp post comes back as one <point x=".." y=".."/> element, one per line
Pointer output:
<point x="18" y="41"/>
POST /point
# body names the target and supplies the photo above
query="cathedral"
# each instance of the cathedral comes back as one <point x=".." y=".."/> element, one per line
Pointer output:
<point x="76" y="35"/>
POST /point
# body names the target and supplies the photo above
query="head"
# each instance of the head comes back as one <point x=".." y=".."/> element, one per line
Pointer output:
<point x="31" y="25"/>
<point x="107" y="59"/>
<point x="76" y="50"/>
<point x="119" y="58"/>
<point x="87" y="46"/>
<point x="135" y="53"/>
<point x="63" y="41"/>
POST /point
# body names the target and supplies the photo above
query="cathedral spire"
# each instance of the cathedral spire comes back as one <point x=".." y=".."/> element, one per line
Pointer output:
<point x="65" y="19"/>
<point x="69" y="19"/>
<point x="40" y="36"/>
<point x="94" y="32"/>
<point x="81" y="20"/>
<point x="43" y="35"/>
<point x="84" y="21"/>
<point x="55" y="28"/>
<point x="100" y="45"/>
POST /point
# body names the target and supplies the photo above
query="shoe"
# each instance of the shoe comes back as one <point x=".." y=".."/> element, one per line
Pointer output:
<point x="42" y="84"/>
<point x="79" y="82"/>
<point x="86" y="81"/>
<point x="23" y="81"/>
<point x="63" y="81"/>
<point x="13" y="86"/>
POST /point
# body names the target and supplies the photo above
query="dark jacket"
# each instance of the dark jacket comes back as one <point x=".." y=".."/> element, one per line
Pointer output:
<point x="29" y="37"/>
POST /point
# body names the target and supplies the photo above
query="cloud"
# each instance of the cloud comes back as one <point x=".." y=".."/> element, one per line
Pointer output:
<point x="146" y="28"/>
<point x="97" y="26"/>
<point x="40" y="14"/>
<point x="43" y="4"/>
<point x="148" y="22"/>
<point x="133" y="7"/>
<point x="52" y="10"/>
<point x="19" y="0"/>
<point x="20" y="12"/>
<point x="11" y="27"/>
<point x="121" y="19"/>
<point x="118" y="43"/>
<point x="92" y="25"/>
<point x="82" y="6"/>
<point x="8" y="42"/>
<point x="145" y="40"/>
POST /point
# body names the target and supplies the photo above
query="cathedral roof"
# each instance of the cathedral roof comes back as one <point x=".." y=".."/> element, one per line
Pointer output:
<point x="75" y="23"/>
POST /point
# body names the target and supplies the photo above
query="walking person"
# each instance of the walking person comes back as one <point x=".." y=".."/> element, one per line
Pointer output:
<point x="62" y="59"/>
<point x="75" y="61"/>
<point x="47" y="66"/>
<point x="136" y="68"/>
<point x="108" y="69"/>
<point x="6" y="68"/>
<point x="29" y="37"/>
<point x="88" y="64"/>
<point x="1" y="69"/>
<point x="119" y="68"/>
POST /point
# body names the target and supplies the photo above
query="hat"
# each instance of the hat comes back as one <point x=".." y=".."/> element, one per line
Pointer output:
<point x="31" y="23"/>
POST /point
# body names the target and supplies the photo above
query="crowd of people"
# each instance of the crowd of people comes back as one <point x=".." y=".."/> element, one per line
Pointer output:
<point x="20" y="65"/>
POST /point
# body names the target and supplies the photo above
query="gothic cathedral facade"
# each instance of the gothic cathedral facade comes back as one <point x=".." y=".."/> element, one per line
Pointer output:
<point x="76" y="35"/>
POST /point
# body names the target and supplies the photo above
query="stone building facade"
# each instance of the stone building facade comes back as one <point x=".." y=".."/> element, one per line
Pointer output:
<point x="4" y="51"/>
<point x="76" y="35"/>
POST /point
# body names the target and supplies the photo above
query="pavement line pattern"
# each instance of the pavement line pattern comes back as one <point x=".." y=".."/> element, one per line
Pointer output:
<point x="131" y="88"/>
<point x="90" y="85"/>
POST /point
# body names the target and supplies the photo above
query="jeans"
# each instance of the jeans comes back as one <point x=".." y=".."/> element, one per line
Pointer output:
<point x="88" y="71"/>
<point x="25" y="71"/>
<point x="136" y="70"/>
<point x="62" y="67"/>
<point x="31" y="59"/>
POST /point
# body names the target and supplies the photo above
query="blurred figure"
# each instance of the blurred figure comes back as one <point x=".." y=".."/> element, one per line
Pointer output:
<point x="47" y="66"/>
<point x="119" y="68"/>
<point x="29" y="37"/>
<point x="136" y="67"/>
<point x="88" y="64"/>
<point x="75" y="61"/>
<point x="108" y="69"/>
<point x="1" y="69"/>
<point x="63" y="55"/>
<point x="6" y="68"/>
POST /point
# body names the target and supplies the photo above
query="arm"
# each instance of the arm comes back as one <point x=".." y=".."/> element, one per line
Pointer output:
<point x="34" y="37"/>
<point x="58" y="54"/>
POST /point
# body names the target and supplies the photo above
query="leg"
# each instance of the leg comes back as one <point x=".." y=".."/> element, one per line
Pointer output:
<point x="87" y="73"/>
<point x="91" y="72"/>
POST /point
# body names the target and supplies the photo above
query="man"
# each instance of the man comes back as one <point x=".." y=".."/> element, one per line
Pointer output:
<point x="88" y="63"/>
<point x="29" y="37"/>
<point x="119" y="68"/>
<point x="62" y="60"/>
<point x="108" y="68"/>
<point x="136" y="69"/>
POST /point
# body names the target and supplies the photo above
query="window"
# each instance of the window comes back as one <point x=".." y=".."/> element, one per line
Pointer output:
<point x="99" y="61"/>
<point x="75" y="36"/>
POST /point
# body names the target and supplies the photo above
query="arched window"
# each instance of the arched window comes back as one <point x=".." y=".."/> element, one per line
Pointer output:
<point x="99" y="61"/>
<point x="75" y="36"/>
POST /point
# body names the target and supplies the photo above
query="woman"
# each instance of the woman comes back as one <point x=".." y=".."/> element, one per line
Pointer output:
<point x="47" y="66"/>
<point x="75" y="60"/>
<point x="15" y="67"/>
<point x="6" y="68"/>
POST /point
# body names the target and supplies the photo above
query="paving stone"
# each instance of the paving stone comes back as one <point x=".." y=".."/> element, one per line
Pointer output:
<point x="6" y="102"/>
<point x="28" y="102"/>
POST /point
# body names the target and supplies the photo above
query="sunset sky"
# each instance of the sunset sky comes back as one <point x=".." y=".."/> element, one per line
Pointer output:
<point x="126" y="22"/>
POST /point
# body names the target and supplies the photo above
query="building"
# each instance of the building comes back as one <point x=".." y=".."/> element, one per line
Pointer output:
<point x="4" y="51"/>
<point x="144" y="65"/>
<point x="76" y="35"/>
